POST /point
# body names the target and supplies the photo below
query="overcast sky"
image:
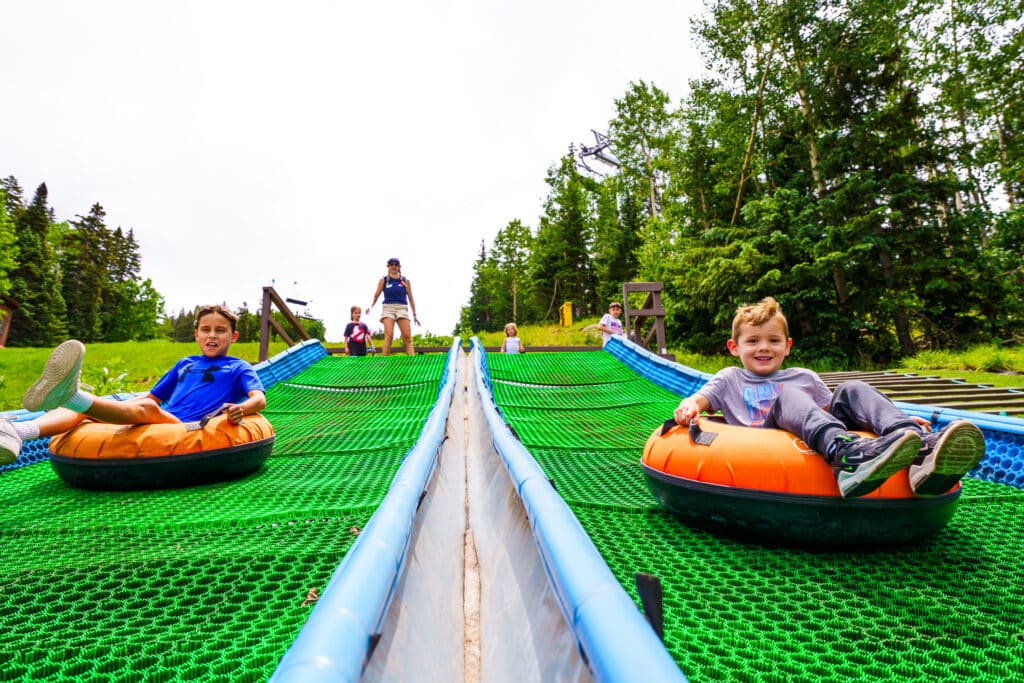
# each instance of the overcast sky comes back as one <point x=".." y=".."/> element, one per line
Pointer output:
<point x="305" y="143"/>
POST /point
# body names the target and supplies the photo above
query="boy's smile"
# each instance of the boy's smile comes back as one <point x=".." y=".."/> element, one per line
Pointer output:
<point x="214" y="335"/>
<point x="761" y="348"/>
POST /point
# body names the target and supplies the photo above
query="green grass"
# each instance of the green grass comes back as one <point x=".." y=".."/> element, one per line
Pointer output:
<point x="108" y="368"/>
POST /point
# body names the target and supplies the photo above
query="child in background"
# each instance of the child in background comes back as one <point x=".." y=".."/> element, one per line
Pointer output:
<point x="610" y="324"/>
<point x="512" y="343"/>
<point x="356" y="334"/>
<point x="761" y="394"/>
<point x="195" y="387"/>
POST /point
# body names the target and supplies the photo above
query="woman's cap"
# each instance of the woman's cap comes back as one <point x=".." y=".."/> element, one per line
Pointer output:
<point x="394" y="262"/>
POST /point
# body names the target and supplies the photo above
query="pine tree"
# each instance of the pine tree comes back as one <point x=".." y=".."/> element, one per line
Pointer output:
<point x="84" y="266"/>
<point x="35" y="286"/>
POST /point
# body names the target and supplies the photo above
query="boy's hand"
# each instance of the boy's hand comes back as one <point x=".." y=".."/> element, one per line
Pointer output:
<point x="687" y="412"/>
<point x="234" y="412"/>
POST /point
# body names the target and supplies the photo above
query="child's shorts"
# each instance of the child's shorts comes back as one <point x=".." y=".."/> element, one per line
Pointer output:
<point x="395" y="311"/>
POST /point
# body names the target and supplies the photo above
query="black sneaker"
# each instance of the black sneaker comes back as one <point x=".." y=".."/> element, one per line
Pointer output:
<point x="863" y="464"/>
<point x="946" y="455"/>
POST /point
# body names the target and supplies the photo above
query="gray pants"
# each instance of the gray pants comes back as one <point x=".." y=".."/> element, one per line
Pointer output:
<point x="855" y="405"/>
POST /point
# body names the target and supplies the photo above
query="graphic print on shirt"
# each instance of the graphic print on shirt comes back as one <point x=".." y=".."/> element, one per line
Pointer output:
<point x="207" y="372"/>
<point x="759" y="400"/>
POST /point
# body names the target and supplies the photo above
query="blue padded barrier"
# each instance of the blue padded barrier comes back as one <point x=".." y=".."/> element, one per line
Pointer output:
<point x="1004" y="436"/>
<point x="289" y="362"/>
<point x="614" y="637"/>
<point x="334" y="644"/>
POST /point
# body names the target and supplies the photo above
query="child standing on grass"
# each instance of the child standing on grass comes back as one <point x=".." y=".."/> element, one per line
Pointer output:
<point x="511" y="343"/>
<point x="356" y="334"/>
<point x="195" y="387"/>
<point x="761" y="394"/>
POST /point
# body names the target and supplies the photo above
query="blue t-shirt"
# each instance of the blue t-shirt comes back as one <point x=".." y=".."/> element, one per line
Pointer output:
<point x="394" y="290"/>
<point x="197" y="386"/>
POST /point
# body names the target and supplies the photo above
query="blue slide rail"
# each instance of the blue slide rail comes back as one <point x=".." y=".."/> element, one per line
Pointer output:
<point x="336" y="641"/>
<point x="614" y="637"/>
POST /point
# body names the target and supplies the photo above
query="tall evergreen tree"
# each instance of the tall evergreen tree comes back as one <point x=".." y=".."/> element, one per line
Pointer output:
<point x="561" y="266"/>
<point x="85" y="263"/>
<point x="511" y="258"/>
<point x="8" y="246"/>
<point x="35" y="286"/>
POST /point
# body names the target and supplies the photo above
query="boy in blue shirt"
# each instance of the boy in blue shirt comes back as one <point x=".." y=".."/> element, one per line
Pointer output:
<point x="762" y="394"/>
<point x="195" y="387"/>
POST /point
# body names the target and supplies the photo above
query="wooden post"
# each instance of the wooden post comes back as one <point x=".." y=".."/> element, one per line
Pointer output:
<point x="633" y="319"/>
<point x="271" y="297"/>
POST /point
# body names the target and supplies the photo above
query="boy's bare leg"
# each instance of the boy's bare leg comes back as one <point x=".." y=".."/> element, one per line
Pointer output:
<point x="136" y="411"/>
<point x="57" y="421"/>
<point x="406" y="329"/>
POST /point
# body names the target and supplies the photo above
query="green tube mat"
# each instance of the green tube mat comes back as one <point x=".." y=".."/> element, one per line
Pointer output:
<point x="950" y="608"/>
<point x="209" y="583"/>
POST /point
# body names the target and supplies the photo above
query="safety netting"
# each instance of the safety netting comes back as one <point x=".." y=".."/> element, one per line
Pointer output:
<point x="948" y="608"/>
<point x="213" y="582"/>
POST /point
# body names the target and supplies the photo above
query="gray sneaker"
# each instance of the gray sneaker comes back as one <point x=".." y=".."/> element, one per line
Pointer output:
<point x="59" y="380"/>
<point x="946" y="455"/>
<point x="863" y="464"/>
<point x="10" y="443"/>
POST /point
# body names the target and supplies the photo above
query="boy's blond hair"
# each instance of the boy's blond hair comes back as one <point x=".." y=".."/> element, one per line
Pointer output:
<point x="758" y="314"/>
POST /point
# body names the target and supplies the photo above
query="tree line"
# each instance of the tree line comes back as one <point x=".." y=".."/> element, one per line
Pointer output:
<point x="860" y="160"/>
<point x="75" y="278"/>
<point x="82" y="280"/>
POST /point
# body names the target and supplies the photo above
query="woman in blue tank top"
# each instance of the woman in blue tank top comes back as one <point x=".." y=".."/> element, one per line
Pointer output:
<point x="398" y="301"/>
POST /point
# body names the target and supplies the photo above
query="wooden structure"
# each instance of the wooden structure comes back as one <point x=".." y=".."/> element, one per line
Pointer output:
<point x="271" y="297"/>
<point x="634" y="319"/>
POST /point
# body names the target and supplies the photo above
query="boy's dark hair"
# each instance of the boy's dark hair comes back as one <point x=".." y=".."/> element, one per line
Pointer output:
<point x="354" y="309"/>
<point x="220" y="310"/>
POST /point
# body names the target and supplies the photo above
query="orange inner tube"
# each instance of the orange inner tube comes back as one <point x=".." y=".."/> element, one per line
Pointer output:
<point x="749" y="458"/>
<point x="102" y="441"/>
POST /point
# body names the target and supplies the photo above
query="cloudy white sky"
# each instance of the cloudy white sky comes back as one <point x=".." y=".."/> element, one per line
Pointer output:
<point x="306" y="142"/>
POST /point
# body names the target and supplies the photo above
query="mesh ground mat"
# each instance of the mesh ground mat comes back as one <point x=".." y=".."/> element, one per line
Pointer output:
<point x="208" y="583"/>
<point x="951" y="608"/>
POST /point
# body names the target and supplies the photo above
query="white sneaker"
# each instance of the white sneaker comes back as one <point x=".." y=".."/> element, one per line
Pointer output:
<point x="10" y="443"/>
<point x="59" y="380"/>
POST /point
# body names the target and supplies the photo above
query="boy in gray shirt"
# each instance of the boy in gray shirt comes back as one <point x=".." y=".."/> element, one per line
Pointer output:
<point x="761" y="394"/>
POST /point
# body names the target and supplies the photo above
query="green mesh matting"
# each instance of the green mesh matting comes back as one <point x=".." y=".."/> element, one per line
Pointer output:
<point x="951" y="608"/>
<point x="205" y="583"/>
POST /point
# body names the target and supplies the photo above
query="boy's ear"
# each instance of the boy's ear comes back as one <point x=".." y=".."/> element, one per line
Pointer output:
<point x="234" y="336"/>
<point x="733" y="349"/>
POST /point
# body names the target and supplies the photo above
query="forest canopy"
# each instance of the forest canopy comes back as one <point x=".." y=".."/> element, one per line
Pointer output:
<point x="862" y="162"/>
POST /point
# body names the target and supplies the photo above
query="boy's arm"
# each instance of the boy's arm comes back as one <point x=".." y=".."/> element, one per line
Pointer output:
<point x="690" y="407"/>
<point x="256" y="402"/>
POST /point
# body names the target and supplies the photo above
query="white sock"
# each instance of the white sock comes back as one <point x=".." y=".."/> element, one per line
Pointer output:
<point x="27" y="430"/>
<point x="80" y="402"/>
